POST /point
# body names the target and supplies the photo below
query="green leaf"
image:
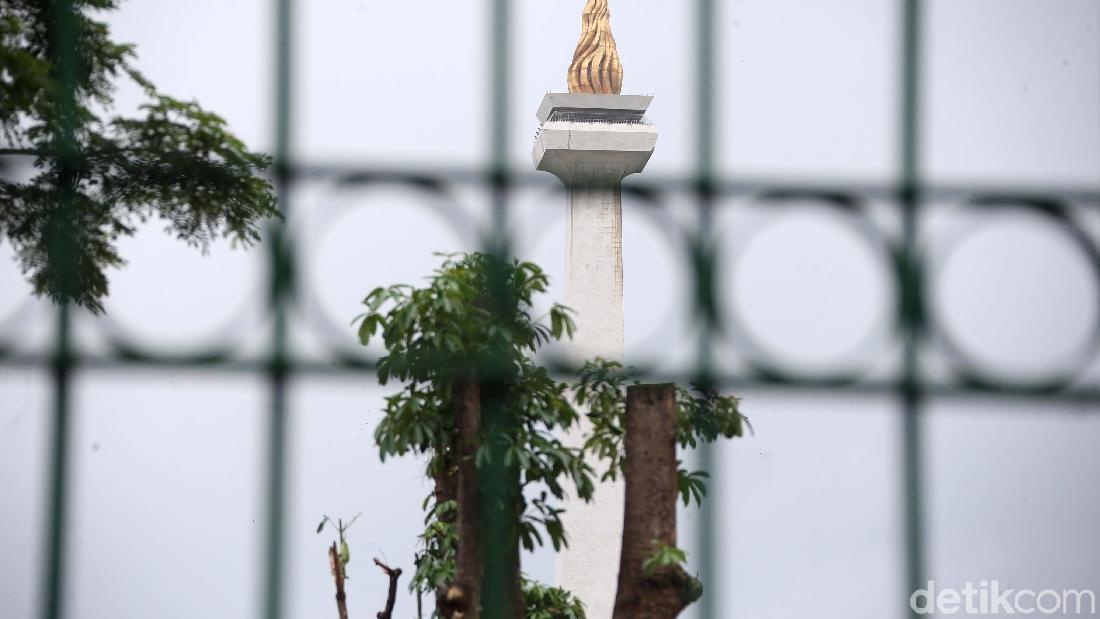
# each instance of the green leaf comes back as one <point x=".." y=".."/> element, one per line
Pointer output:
<point x="663" y="556"/>
<point x="366" y="329"/>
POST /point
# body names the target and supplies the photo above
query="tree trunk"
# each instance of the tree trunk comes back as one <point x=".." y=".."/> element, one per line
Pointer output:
<point x="463" y="597"/>
<point x="649" y="473"/>
<point x="501" y="502"/>
<point x="338" y="577"/>
<point x="446" y="479"/>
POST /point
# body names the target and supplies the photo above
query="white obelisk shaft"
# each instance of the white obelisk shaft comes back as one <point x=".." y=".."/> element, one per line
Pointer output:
<point x="591" y="142"/>
<point x="594" y="269"/>
<point x="589" y="567"/>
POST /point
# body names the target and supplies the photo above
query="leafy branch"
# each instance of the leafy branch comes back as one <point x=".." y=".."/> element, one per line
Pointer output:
<point x="97" y="178"/>
<point x="703" y="416"/>
<point x="543" y="602"/>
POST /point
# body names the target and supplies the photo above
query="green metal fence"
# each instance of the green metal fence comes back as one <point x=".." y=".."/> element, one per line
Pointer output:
<point x="909" y="194"/>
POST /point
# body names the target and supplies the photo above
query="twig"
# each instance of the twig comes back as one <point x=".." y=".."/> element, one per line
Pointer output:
<point x="391" y="598"/>
<point x="338" y="576"/>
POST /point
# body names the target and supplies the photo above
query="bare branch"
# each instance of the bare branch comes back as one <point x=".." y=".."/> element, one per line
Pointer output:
<point x="391" y="597"/>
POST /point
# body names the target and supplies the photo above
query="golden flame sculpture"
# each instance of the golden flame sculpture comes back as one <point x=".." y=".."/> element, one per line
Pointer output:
<point x="596" y="68"/>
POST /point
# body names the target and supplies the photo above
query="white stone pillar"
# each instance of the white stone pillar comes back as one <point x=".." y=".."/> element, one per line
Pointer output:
<point x="589" y="567"/>
<point x="594" y="265"/>
<point x="591" y="142"/>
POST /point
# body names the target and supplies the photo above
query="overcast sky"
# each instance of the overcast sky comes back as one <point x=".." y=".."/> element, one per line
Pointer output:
<point x="168" y="477"/>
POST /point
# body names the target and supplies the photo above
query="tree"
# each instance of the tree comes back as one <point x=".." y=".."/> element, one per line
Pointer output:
<point x="451" y="346"/>
<point x="96" y="178"/>
<point x="445" y="343"/>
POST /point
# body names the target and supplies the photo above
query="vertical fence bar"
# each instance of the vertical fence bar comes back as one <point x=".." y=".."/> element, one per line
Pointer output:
<point x="500" y="75"/>
<point x="499" y="71"/>
<point x="704" y="263"/>
<point x="498" y="482"/>
<point x="59" y="461"/>
<point x="912" y="314"/>
<point x="281" y="271"/>
<point x="62" y="254"/>
<point x="706" y="88"/>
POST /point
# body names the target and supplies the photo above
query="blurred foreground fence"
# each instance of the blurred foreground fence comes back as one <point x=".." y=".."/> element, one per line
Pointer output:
<point x="900" y="250"/>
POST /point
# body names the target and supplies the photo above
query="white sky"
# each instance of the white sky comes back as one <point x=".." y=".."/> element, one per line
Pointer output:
<point x="167" y="466"/>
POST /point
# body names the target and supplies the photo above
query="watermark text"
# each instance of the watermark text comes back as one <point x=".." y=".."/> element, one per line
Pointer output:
<point x="989" y="597"/>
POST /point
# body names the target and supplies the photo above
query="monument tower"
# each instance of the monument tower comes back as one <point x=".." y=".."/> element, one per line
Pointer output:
<point x="591" y="138"/>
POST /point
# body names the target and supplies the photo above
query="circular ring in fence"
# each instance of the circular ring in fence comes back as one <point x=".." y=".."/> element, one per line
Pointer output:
<point x="353" y="243"/>
<point x="537" y="220"/>
<point x="657" y="282"/>
<point x="977" y="368"/>
<point x="17" y="305"/>
<point x="203" y="307"/>
<point x="647" y="221"/>
<point x="823" y="325"/>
